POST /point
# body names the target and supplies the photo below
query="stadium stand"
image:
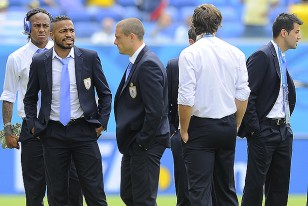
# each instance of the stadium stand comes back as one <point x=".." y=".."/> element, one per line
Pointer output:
<point x="88" y="18"/>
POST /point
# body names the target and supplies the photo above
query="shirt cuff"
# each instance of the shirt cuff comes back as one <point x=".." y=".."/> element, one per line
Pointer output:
<point x="8" y="96"/>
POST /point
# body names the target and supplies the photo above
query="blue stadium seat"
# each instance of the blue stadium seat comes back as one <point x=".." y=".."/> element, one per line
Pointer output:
<point x="115" y="12"/>
<point x="85" y="29"/>
<point x="214" y="2"/>
<point x="230" y="13"/>
<point x="182" y="3"/>
<point x="235" y="3"/>
<point x="18" y="3"/>
<point x="230" y="30"/>
<point x="126" y="2"/>
<point x="80" y="15"/>
<point x="131" y="11"/>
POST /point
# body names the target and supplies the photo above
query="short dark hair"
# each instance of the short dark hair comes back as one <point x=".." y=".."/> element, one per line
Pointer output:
<point x="206" y="19"/>
<point x="285" y="21"/>
<point x="36" y="11"/>
<point x="59" y="18"/>
<point x="192" y="34"/>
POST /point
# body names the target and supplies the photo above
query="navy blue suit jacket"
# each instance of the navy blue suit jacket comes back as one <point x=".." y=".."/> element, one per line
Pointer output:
<point x="173" y="87"/>
<point x="141" y="104"/>
<point x="87" y="65"/>
<point x="264" y="82"/>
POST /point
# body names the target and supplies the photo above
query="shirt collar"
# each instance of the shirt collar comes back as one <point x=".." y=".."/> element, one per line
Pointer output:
<point x="55" y="55"/>
<point x="276" y="49"/>
<point x="133" y="58"/>
<point x="34" y="48"/>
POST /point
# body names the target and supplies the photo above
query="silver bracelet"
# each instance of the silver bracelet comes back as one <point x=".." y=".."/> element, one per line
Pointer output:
<point x="7" y="124"/>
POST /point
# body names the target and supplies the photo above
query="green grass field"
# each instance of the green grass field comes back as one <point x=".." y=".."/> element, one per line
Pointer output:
<point x="19" y="200"/>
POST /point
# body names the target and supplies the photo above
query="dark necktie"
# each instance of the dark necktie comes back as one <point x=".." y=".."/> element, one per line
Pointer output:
<point x="65" y="97"/>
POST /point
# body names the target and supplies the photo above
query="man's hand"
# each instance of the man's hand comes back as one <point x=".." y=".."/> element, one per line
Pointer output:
<point x="11" y="141"/>
<point x="184" y="136"/>
<point x="99" y="130"/>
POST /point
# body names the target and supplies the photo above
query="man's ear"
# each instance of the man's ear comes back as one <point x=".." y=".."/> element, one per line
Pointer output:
<point x="284" y="33"/>
<point x="51" y="35"/>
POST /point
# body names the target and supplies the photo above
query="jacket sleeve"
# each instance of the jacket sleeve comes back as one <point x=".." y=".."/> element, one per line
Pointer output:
<point x="171" y="104"/>
<point x="257" y="65"/>
<point x="103" y="93"/>
<point x="152" y="83"/>
<point x="31" y="96"/>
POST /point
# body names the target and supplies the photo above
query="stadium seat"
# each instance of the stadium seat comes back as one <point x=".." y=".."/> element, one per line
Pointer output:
<point x="230" y="30"/>
<point x="85" y="29"/>
<point x="214" y="2"/>
<point x="182" y="3"/>
<point x="115" y="12"/>
<point x="126" y="2"/>
<point x="230" y="14"/>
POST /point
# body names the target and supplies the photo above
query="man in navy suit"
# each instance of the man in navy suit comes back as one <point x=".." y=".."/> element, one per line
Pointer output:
<point x="141" y="114"/>
<point x="266" y="122"/>
<point x="180" y="176"/>
<point x="37" y="28"/>
<point x="70" y="131"/>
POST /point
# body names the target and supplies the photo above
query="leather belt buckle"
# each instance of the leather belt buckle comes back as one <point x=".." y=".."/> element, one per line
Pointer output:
<point x="74" y="121"/>
<point x="280" y="121"/>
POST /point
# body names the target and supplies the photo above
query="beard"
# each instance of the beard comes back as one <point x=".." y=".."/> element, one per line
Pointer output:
<point x="63" y="46"/>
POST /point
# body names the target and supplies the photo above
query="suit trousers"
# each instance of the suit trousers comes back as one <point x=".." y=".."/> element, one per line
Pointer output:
<point x="269" y="162"/>
<point x="180" y="176"/>
<point x="209" y="159"/>
<point x="34" y="173"/>
<point x="77" y="142"/>
<point x="140" y="175"/>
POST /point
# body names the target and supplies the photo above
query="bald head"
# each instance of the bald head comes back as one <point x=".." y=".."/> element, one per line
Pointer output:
<point x="132" y="25"/>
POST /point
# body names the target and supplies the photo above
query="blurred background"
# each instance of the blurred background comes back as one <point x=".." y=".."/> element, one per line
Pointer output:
<point x="246" y="24"/>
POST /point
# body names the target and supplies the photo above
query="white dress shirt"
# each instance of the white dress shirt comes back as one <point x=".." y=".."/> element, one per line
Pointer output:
<point x="17" y="75"/>
<point x="76" y="111"/>
<point x="133" y="58"/>
<point x="212" y="74"/>
<point x="277" y="110"/>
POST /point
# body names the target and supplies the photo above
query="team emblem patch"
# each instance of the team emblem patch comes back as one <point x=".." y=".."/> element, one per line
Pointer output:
<point x="87" y="83"/>
<point x="132" y="91"/>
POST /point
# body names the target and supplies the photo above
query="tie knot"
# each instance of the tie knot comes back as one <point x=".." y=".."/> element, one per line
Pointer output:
<point x="64" y="61"/>
<point x="40" y="50"/>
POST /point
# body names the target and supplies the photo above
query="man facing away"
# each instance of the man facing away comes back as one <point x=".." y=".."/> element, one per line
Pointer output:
<point x="37" y="28"/>
<point x="213" y="95"/>
<point x="70" y="119"/>
<point x="266" y="124"/>
<point x="141" y="114"/>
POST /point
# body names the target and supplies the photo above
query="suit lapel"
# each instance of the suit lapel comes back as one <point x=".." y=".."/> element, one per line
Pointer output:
<point x="78" y="65"/>
<point x="48" y="66"/>
<point x="119" y="90"/>
<point x="275" y="58"/>
<point x="140" y="55"/>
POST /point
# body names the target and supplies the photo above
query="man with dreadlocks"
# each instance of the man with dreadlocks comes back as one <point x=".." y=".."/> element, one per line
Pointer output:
<point x="213" y="94"/>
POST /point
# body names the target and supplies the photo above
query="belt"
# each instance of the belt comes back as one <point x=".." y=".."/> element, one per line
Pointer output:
<point x="71" y="122"/>
<point x="277" y="121"/>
